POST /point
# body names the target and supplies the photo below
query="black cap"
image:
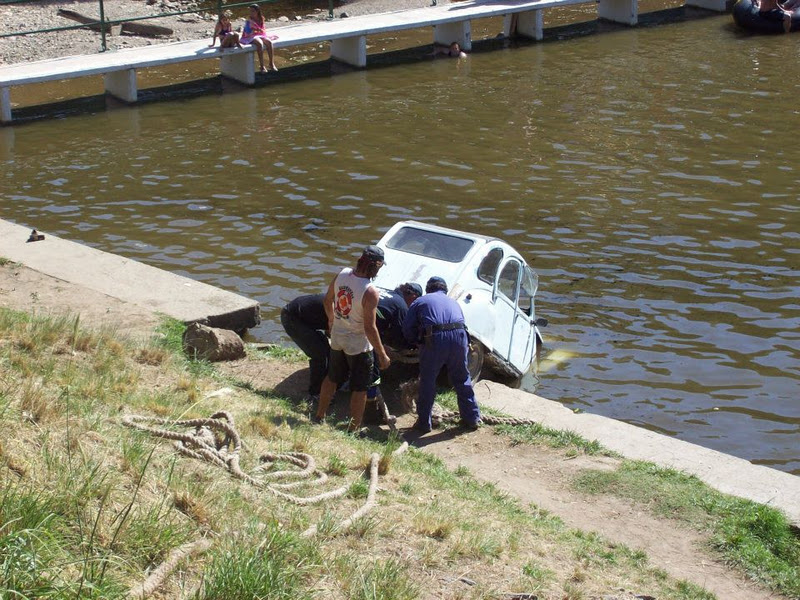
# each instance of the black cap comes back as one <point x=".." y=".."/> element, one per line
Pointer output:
<point x="413" y="288"/>
<point x="373" y="253"/>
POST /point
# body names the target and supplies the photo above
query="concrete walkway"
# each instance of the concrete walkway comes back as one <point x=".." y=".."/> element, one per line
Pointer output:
<point x="728" y="474"/>
<point x="130" y="281"/>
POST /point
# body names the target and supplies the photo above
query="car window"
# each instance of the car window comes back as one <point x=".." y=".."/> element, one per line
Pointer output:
<point x="507" y="282"/>
<point x="530" y="283"/>
<point x="432" y="244"/>
<point x="487" y="270"/>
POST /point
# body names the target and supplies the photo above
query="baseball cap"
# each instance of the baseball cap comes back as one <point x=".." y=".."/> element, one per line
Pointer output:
<point x="373" y="253"/>
<point x="414" y="288"/>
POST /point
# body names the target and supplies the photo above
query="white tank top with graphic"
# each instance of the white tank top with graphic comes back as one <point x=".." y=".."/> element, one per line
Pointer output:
<point x="347" y="333"/>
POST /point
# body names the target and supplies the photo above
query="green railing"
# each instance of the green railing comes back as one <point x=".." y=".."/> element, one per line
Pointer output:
<point x="106" y="24"/>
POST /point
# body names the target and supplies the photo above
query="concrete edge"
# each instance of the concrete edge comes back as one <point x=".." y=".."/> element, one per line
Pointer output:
<point x="128" y="280"/>
<point x="723" y="472"/>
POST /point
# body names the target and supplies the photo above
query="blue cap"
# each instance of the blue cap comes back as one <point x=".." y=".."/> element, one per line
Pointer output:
<point x="435" y="284"/>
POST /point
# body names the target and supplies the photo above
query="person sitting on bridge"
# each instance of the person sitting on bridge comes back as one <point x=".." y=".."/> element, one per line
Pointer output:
<point x="255" y="34"/>
<point x="436" y="322"/>
<point x="453" y="51"/>
<point x="224" y="31"/>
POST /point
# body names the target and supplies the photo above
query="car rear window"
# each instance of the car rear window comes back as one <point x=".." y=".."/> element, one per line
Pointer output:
<point x="432" y="244"/>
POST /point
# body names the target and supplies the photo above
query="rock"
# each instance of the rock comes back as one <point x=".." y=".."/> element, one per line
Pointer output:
<point x="298" y="18"/>
<point x="283" y="19"/>
<point x="344" y="15"/>
<point x="212" y="344"/>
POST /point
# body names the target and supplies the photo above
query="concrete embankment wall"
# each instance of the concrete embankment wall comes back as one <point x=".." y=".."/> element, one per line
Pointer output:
<point x="128" y="280"/>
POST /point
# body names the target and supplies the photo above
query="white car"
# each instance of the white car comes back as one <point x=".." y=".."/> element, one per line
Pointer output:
<point x="490" y="280"/>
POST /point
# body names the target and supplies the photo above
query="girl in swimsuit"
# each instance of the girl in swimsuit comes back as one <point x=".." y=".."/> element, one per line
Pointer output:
<point x="255" y="34"/>
<point x="224" y="31"/>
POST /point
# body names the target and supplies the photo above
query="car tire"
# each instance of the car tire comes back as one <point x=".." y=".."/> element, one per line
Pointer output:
<point x="475" y="358"/>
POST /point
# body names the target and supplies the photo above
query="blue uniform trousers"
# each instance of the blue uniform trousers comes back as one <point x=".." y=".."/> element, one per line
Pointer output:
<point x="446" y="348"/>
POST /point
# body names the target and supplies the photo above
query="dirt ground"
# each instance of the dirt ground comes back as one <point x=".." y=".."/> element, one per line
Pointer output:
<point x="29" y="16"/>
<point x="536" y="475"/>
<point x="541" y="476"/>
<point x="22" y="288"/>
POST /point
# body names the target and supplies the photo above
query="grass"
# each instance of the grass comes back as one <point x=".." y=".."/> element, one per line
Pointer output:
<point x="756" y="538"/>
<point x="88" y="507"/>
<point x="534" y="434"/>
<point x="4" y="262"/>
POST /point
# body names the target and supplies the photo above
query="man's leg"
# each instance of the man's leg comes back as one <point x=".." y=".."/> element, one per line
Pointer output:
<point x="358" y="401"/>
<point x="430" y="364"/>
<point x="457" y="348"/>
<point x="360" y="366"/>
<point x="327" y="390"/>
<point x="337" y="372"/>
<point x="313" y="343"/>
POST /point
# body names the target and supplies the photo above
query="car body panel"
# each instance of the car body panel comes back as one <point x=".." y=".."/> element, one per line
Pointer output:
<point x="498" y="303"/>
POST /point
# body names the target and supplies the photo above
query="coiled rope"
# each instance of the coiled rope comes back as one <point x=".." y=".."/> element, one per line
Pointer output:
<point x="215" y="440"/>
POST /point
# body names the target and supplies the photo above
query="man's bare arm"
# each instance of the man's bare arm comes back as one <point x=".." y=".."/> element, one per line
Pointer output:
<point x="370" y="304"/>
<point x="330" y="295"/>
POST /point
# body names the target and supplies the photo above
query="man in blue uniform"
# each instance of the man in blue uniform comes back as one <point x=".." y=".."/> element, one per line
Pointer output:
<point x="436" y="322"/>
<point x="392" y="310"/>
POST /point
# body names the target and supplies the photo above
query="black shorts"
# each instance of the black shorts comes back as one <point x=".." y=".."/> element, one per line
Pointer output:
<point x="358" y="366"/>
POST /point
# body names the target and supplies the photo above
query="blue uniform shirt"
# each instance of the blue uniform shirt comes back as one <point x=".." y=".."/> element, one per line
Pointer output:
<point x="391" y="314"/>
<point x="431" y="309"/>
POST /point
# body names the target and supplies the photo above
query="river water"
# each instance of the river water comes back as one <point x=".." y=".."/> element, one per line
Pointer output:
<point x="649" y="175"/>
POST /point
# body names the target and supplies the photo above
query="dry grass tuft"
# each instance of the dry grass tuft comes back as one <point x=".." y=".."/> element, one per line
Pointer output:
<point x="431" y="523"/>
<point x="385" y="463"/>
<point x="192" y="508"/>
<point x="151" y="355"/>
<point x="158" y="410"/>
<point x="35" y="405"/>
<point x="263" y="427"/>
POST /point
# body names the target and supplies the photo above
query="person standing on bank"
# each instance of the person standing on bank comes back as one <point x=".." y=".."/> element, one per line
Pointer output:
<point x="305" y="321"/>
<point x="436" y="322"/>
<point x="350" y="304"/>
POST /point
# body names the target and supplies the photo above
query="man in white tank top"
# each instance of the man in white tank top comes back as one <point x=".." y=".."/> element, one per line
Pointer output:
<point x="350" y="304"/>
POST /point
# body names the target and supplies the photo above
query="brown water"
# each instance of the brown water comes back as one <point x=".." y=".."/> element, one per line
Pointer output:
<point x="649" y="175"/>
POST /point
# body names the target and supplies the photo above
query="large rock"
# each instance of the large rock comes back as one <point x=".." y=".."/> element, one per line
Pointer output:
<point x="210" y="343"/>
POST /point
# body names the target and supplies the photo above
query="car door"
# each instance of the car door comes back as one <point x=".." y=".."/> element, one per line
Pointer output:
<point x="506" y="290"/>
<point x="523" y="338"/>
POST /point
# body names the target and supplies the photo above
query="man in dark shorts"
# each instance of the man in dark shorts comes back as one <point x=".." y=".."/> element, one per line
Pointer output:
<point x="351" y="304"/>
<point x="305" y="321"/>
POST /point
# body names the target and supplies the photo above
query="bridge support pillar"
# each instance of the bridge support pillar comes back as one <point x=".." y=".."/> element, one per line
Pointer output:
<point x="240" y="67"/>
<point x="447" y="33"/>
<point x="528" y="24"/>
<point x="122" y="85"/>
<point x="5" y="105"/>
<point x="717" y="5"/>
<point x="619" y="11"/>
<point x="351" y="51"/>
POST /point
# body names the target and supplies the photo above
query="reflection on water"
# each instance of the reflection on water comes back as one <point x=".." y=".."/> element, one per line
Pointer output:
<point x="648" y="175"/>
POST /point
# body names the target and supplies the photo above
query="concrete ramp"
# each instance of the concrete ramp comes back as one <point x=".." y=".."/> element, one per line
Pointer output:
<point x="128" y="280"/>
<point x="723" y="472"/>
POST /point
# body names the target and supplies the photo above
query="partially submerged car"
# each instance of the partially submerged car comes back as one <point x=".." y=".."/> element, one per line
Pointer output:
<point x="487" y="277"/>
